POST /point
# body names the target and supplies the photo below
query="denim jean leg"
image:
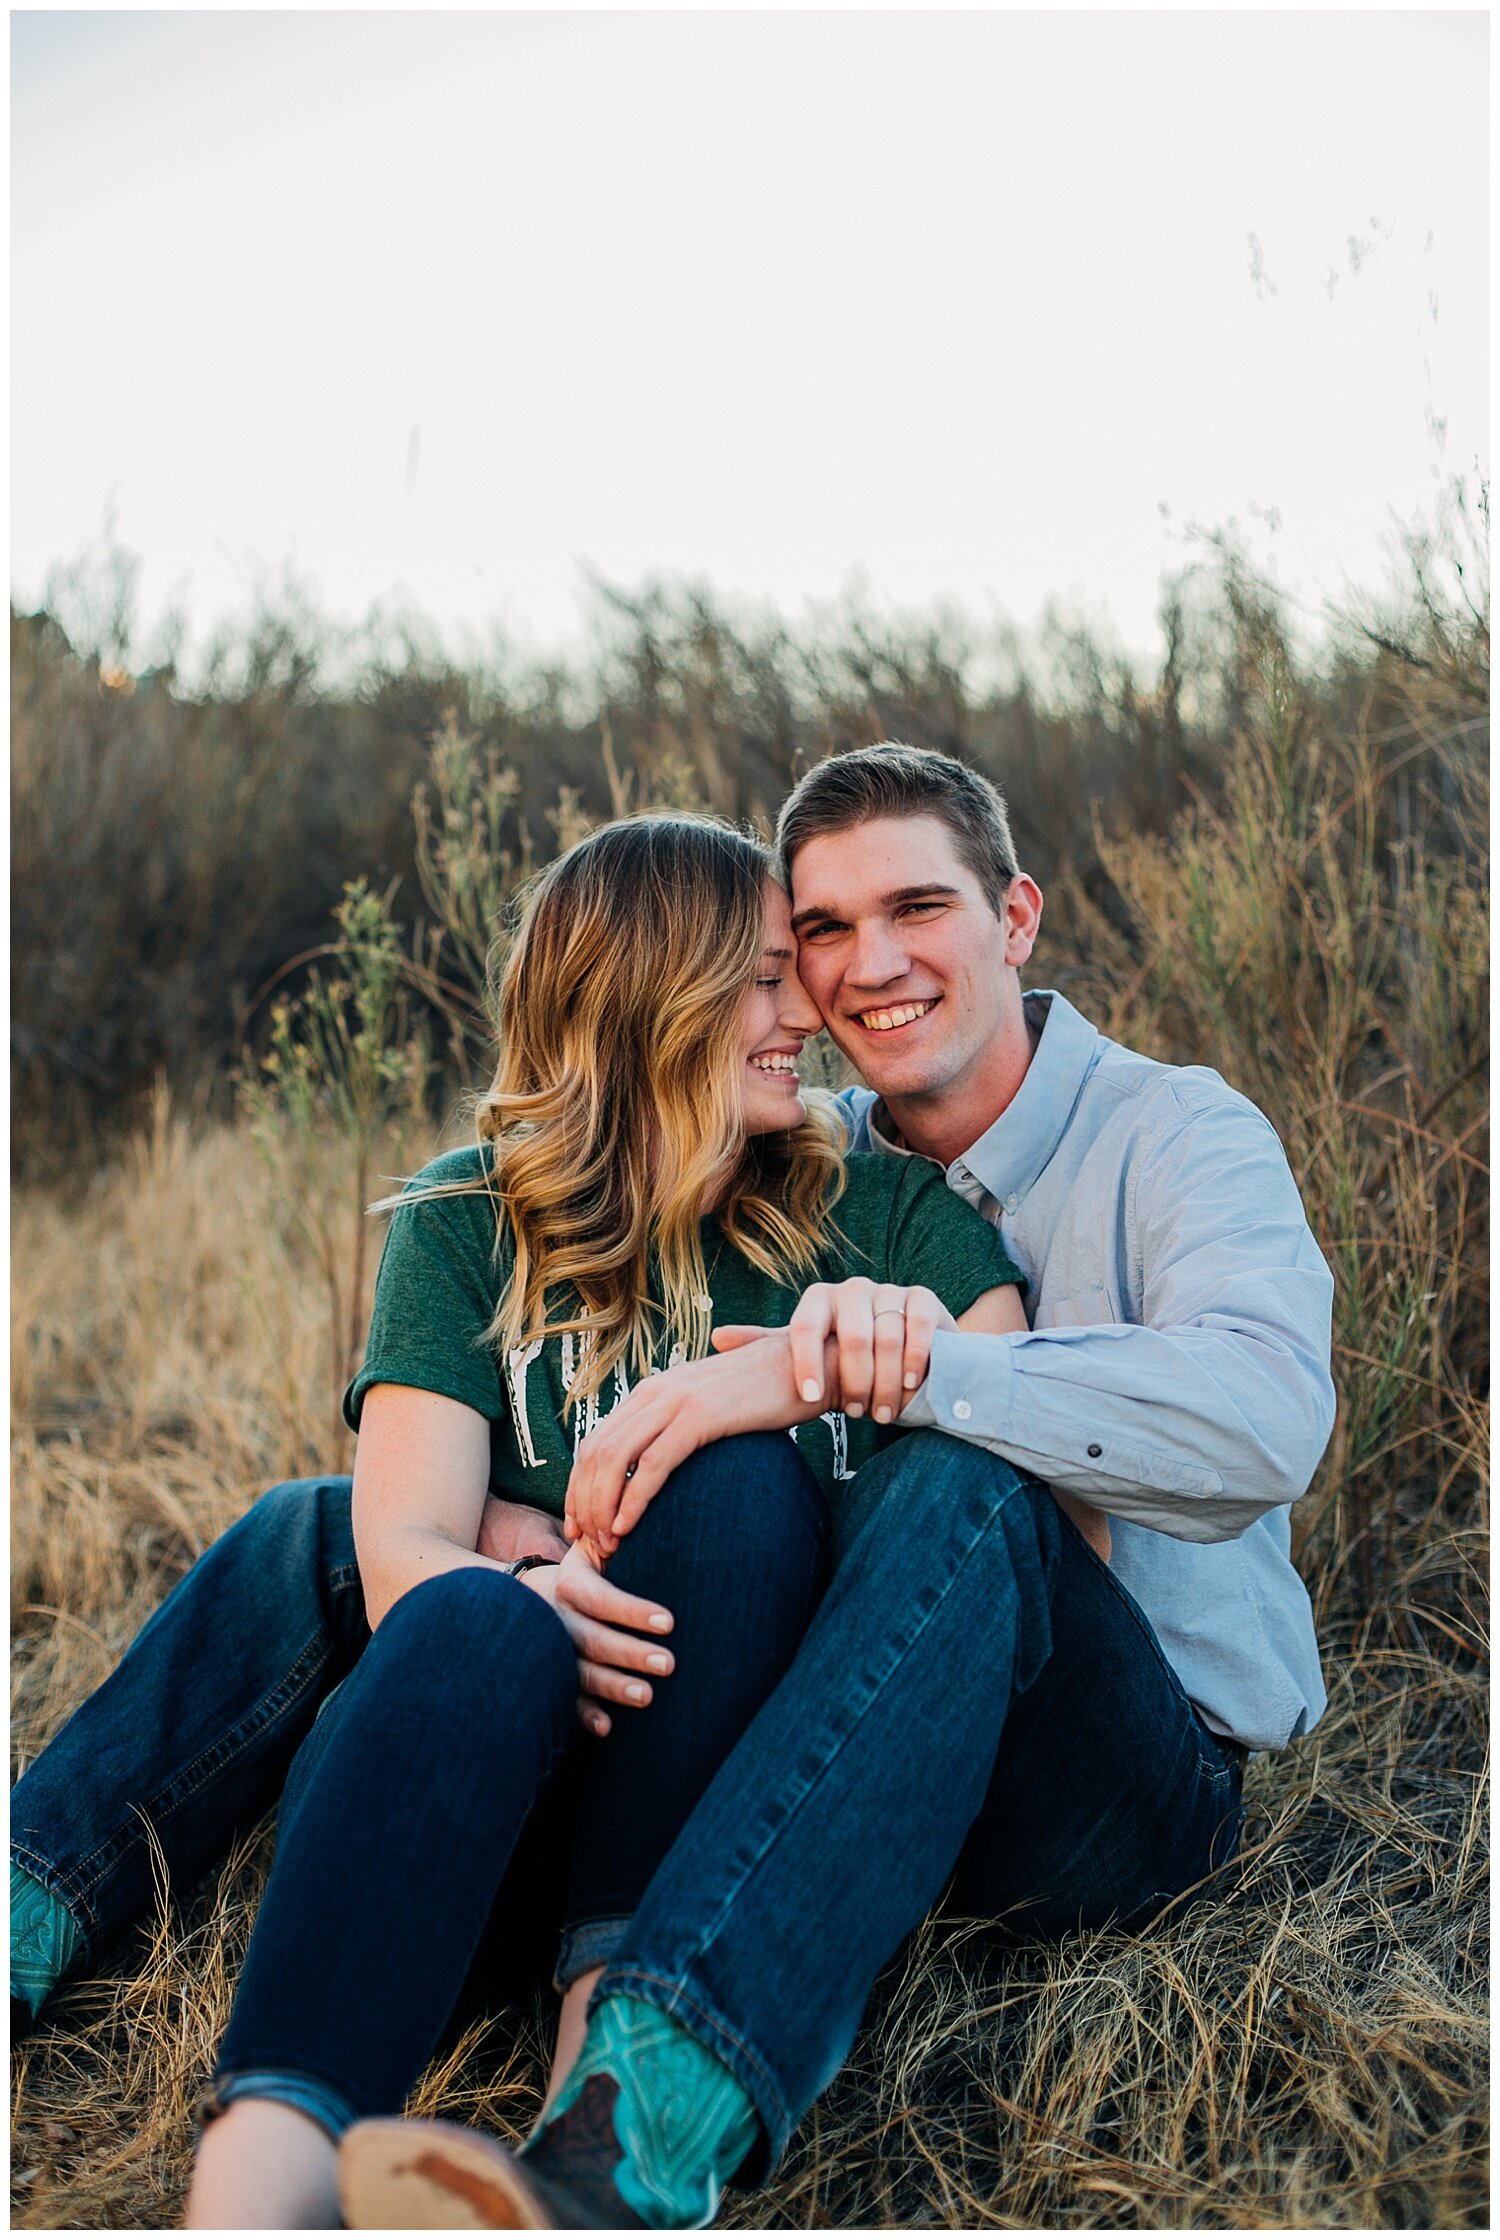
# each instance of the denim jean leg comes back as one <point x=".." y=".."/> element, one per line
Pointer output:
<point x="835" y="1823"/>
<point x="388" y="1866"/>
<point x="191" y="1736"/>
<point x="1109" y="1798"/>
<point x="736" y="1545"/>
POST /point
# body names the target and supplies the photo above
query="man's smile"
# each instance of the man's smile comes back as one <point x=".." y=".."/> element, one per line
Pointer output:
<point x="890" y="1018"/>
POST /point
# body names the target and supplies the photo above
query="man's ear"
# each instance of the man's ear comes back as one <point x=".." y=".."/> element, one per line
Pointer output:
<point x="1023" y="918"/>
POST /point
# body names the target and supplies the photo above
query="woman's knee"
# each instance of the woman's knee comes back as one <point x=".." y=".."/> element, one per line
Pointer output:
<point x="481" y="1626"/>
<point x="747" y="1496"/>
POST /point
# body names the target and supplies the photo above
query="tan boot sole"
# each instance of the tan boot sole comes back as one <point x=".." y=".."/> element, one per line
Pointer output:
<point x="432" y="2177"/>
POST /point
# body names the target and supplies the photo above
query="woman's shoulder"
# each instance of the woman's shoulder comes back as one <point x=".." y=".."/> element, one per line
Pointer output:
<point x="455" y="1188"/>
<point x="470" y="1166"/>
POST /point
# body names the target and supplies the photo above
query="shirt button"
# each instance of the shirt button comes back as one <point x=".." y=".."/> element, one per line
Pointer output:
<point x="962" y="1410"/>
<point x="1096" y="1450"/>
<point x="1013" y="1201"/>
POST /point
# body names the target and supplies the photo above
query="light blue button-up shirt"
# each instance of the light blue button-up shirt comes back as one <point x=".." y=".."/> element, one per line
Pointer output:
<point x="1176" y="1370"/>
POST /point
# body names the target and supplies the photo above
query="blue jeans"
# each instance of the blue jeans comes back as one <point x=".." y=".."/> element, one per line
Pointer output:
<point x="404" y="1804"/>
<point x="976" y="1698"/>
<point x="409" y="1798"/>
<point x="977" y="1702"/>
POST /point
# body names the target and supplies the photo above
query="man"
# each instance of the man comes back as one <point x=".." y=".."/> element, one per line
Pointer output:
<point x="979" y="1695"/>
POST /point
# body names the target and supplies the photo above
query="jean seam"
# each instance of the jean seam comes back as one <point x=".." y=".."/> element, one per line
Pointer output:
<point x="74" y="1885"/>
<point x="45" y="1871"/>
<point x="904" y="1651"/>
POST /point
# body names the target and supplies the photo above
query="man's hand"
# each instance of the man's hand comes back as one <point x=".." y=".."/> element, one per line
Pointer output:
<point x="878" y="1334"/>
<point x="509" y="1530"/>
<point x="611" y="1663"/>
<point x="627" y="1459"/>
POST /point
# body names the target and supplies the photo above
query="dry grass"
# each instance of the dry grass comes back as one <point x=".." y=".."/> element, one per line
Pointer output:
<point x="1306" y="2048"/>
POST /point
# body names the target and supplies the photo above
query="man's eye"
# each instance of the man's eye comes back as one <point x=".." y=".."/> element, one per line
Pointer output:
<point x="910" y="908"/>
<point x="815" y="933"/>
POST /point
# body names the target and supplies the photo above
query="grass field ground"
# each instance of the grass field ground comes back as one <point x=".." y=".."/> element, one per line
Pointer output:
<point x="1307" y="2047"/>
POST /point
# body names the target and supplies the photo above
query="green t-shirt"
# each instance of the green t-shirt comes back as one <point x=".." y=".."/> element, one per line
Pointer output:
<point x="443" y="1270"/>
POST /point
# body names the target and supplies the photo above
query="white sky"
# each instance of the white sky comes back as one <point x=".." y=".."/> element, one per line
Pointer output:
<point x="451" y="307"/>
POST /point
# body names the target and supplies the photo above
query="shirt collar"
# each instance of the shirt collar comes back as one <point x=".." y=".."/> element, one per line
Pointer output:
<point x="1013" y="1151"/>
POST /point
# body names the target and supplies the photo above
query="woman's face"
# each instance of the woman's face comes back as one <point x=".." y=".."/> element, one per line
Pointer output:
<point x="777" y="1019"/>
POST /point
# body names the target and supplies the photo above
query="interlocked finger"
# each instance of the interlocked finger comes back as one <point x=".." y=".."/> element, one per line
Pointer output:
<point x="811" y="1323"/>
<point x="925" y="1316"/>
<point x="889" y="1338"/>
<point x="855" y="1301"/>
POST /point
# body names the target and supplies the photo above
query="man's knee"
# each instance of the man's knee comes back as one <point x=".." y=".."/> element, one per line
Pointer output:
<point x="927" y="1479"/>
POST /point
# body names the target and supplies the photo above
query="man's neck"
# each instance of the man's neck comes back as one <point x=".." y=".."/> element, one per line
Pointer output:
<point x="944" y="1125"/>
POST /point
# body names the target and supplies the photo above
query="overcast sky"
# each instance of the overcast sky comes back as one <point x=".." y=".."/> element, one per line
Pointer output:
<point x="991" y="307"/>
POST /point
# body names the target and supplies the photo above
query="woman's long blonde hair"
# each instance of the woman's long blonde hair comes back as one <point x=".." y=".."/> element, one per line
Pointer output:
<point x="615" y="1111"/>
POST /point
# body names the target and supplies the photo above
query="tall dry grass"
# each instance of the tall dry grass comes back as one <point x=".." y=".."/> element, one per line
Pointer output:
<point x="1308" y="2046"/>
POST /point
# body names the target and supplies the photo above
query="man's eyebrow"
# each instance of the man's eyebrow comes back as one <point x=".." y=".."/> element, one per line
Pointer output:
<point x="891" y="901"/>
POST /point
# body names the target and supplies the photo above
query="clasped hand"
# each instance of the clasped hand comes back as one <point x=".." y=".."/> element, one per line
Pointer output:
<point x="856" y="1345"/>
<point x="603" y="1622"/>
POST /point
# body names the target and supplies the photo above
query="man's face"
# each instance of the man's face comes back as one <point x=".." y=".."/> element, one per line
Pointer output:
<point x="905" y="957"/>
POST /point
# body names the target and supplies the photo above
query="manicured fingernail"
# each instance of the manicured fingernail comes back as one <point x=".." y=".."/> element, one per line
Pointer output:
<point x="882" y="1414"/>
<point x="658" y="1661"/>
<point x="812" y="1391"/>
<point x="638" y="1691"/>
<point x="910" y="1381"/>
<point x="855" y="1408"/>
<point x="600" y="1724"/>
<point x="659" y="1622"/>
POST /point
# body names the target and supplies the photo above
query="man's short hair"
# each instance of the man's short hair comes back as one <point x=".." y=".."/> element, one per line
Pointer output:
<point x="898" y="781"/>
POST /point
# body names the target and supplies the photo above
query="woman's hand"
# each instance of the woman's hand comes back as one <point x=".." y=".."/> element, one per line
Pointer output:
<point x="882" y="1334"/>
<point x="627" y="1459"/>
<point x="611" y="1663"/>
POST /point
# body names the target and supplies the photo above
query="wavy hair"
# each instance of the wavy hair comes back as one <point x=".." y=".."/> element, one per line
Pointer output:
<point x="615" y="1112"/>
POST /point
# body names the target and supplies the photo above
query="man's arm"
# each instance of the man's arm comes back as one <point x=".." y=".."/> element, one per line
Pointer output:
<point x="509" y="1530"/>
<point x="1218" y="1405"/>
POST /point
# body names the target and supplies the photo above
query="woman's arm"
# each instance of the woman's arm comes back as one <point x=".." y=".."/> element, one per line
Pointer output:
<point x="421" y="1472"/>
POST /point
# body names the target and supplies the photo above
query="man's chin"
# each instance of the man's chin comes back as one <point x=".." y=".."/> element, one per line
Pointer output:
<point x="893" y="1079"/>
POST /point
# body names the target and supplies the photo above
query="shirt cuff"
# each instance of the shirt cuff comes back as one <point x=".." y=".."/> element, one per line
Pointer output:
<point x="968" y="1388"/>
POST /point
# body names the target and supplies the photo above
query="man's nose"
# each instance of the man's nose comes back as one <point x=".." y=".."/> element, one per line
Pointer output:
<point x="878" y="957"/>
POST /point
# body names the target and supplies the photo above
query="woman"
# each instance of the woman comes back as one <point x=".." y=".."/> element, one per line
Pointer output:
<point x="649" y="1166"/>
